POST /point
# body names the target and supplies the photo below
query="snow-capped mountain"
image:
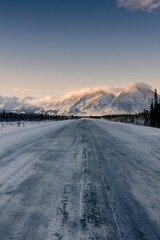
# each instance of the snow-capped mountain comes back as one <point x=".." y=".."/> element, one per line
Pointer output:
<point x="27" y="104"/>
<point x="88" y="101"/>
<point x="103" y="100"/>
<point x="9" y="103"/>
<point x="132" y="99"/>
<point x="18" y="105"/>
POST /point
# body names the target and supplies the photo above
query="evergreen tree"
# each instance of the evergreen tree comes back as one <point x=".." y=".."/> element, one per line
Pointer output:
<point x="156" y="108"/>
<point x="4" y="115"/>
<point x="155" y="111"/>
<point x="152" y="115"/>
<point x="155" y="97"/>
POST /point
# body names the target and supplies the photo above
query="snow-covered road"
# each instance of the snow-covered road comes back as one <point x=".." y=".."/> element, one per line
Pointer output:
<point x="80" y="179"/>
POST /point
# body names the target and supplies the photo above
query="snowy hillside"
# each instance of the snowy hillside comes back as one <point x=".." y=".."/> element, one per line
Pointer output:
<point x="88" y="101"/>
<point x="103" y="100"/>
<point x="132" y="99"/>
<point x="9" y="103"/>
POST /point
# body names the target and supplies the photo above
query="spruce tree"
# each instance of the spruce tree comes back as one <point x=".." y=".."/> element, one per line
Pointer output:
<point x="152" y="115"/>
<point x="155" y="111"/>
<point x="156" y="107"/>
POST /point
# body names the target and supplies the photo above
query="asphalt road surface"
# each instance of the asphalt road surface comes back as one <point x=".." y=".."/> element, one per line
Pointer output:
<point x="78" y="181"/>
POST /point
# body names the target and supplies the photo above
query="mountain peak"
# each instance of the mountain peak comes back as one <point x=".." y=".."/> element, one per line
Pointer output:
<point x="91" y="90"/>
<point x="137" y="85"/>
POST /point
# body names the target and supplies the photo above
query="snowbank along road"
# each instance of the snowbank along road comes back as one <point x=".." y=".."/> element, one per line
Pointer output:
<point x="80" y="179"/>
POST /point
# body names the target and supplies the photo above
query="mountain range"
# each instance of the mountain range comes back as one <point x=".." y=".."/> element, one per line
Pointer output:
<point x="132" y="98"/>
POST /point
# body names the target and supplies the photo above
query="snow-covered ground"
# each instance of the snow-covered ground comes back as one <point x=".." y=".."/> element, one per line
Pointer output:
<point x="18" y="126"/>
<point x="13" y="132"/>
<point x="79" y="179"/>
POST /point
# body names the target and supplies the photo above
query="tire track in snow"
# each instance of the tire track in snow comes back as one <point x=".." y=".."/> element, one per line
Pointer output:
<point x="91" y="217"/>
<point x="107" y="193"/>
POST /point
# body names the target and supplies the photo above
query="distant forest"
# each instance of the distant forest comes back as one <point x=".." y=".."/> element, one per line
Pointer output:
<point x="147" y="117"/>
<point x="18" y="117"/>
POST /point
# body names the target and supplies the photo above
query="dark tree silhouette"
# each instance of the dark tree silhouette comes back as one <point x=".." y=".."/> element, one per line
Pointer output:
<point x="155" y="111"/>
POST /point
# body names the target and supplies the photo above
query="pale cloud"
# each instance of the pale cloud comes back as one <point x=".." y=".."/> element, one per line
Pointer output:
<point x="40" y="101"/>
<point x="28" y="91"/>
<point x="148" y="5"/>
<point x="35" y="100"/>
<point x="22" y="91"/>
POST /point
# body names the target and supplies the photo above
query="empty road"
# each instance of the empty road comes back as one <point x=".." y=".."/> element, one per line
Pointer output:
<point x="80" y="180"/>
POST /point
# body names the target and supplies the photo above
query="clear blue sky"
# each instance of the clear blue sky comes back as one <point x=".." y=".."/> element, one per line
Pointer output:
<point x="54" y="46"/>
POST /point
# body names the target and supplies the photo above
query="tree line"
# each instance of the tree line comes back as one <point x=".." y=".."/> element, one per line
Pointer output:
<point x="134" y="118"/>
<point x="12" y="117"/>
